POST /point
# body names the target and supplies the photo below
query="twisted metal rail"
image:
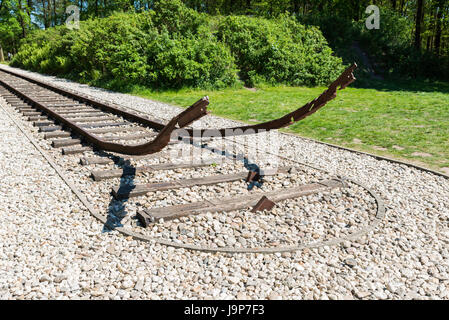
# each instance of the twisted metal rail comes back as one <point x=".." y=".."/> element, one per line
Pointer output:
<point x="344" y="80"/>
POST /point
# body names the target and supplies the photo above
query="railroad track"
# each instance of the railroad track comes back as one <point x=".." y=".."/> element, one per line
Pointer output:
<point x="111" y="139"/>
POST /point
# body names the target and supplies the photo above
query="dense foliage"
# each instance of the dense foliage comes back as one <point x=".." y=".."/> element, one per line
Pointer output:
<point x="278" y="51"/>
<point x="390" y="49"/>
<point x="128" y="49"/>
<point x="413" y="40"/>
<point x="174" y="46"/>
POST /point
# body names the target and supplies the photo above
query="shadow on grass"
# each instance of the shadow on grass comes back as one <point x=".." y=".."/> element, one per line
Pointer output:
<point x="400" y="84"/>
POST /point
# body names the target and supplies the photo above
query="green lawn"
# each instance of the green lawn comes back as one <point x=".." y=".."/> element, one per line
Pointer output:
<point x="408" y="121"/>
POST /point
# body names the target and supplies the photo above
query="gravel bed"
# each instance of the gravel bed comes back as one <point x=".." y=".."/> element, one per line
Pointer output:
<point x="291" y="231"/>
<point x="62" y="253"/>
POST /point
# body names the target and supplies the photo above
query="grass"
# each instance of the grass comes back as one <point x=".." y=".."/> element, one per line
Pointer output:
<point x="406" y="120"/>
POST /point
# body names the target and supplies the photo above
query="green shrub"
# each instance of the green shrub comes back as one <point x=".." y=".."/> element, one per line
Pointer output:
<point x="173" y="46"/>
<point x="338" y="31"/>
<point x="193" y="62"/>
<point x="177" y="19"/>
<point x="278" y="51"/>
<point x="114" y="46"/>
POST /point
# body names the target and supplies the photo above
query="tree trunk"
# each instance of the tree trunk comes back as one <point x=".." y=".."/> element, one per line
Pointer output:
<point x="29" y="7"/>
<point x="438" y="31"/>
<point x="46" y="9"/>
<point x="2" y="57"/>
<point x="401" y="7"/>
<point x="54" y="13"/>
<point x="295" y="6"/>
<point x="419" y="14"/>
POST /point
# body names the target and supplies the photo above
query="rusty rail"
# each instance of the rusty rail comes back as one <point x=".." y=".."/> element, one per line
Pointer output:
<point x="344" y="80"/>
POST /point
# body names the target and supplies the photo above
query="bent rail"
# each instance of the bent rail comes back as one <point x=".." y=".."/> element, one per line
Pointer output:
<point x="344" y="80"/>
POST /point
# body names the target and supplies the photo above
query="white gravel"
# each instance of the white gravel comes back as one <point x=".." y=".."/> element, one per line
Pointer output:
<point x="51" y="248"/>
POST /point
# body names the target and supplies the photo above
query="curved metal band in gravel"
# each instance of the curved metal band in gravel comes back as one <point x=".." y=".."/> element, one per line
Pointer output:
<point x="334" y="241"/>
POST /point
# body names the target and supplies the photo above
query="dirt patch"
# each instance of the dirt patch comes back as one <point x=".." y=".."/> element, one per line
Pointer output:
<point x="421" y="154"/>
<point x="357" y="141"/>
<point x="379" y="148"/>
<point x="398" y="148"/>
<point x="445" y="170"/>
<point x="250" y="89"/>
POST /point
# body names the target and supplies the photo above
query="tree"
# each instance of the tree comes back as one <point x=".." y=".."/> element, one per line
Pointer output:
<point x="2" y="57"/>
<point x="14" y="23"/>
<point x="419" y="17"/>
<point x="438" y="32"/>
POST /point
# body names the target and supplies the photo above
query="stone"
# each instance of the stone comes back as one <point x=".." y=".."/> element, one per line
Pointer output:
<point x="361" y="294"/>
<point x="350" y="262"/>
<point x="274" y="296"/>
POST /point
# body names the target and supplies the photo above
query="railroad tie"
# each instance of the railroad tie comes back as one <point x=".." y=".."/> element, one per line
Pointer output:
<point x="115" y="129"/>
<point x="95" y="160"/>
<point x="104" y="160"/>
<point x="37" y="118"/>
<point x="75" y="150"/>
<point x="124" y="192"/>
<point x="50" y="128"/>
<point x="78" y="119"/>
<point x="82" y="149"/>
<point x="76" y="111"/>
<point x="102" y="125"/>
<point x="235" y="203"/>
<point x="26" y="109"/>
<point x="57" y="134"/>
<point x="65" y="134"/>
<point x="31" y="113"/>
<point x="99" y="175"/>
<point x="68" y="142"/>
<point x="65" y="142"/>
<point x="81" y="114"/>
<point x="43" y="123"/>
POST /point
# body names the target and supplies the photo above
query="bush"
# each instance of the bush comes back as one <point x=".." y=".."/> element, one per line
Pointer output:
<point x="177" y="19"/>
<point x="281" y="51"/>
<point x="390" y="48"/>
<point x="193" y="62"/>
<point x="114" y="47"/>
<point x="173" y="46"/>
<point x="338" y="31"/>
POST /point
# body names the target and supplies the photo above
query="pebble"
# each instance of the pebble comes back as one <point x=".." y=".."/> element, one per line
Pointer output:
<point x="274" y="296"/>
<point x="351" y="262"/>
<point x="234" y="280"/>
<point x="241" y="296"/>
<point x="362" y="294"/>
